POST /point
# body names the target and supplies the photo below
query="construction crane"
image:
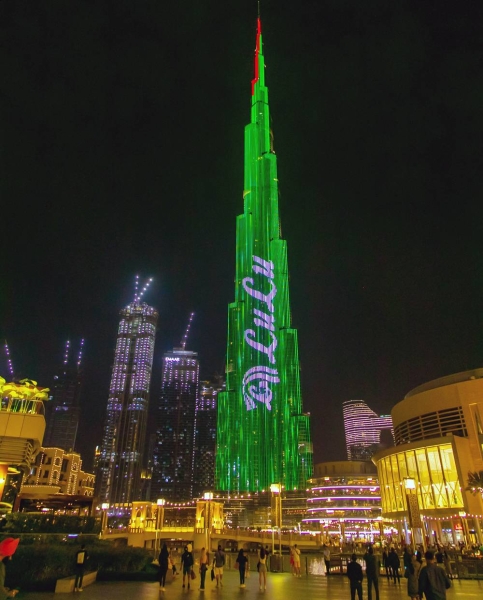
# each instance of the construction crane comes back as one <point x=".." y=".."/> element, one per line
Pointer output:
<point x="185" y="337"/>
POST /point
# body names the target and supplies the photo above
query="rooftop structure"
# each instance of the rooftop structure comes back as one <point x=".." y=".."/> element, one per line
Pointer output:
<point x="363" y="429"/>
<point x="22" y="427"/>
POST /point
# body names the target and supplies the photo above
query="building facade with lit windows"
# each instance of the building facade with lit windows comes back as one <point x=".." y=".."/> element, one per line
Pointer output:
<point x="438" y="429"/>
<point x="205" y="436"/>
<point x="22" y="428"/>
<point x="57" y="483"/>
<point x="363" y="429"/>
<point x="344" y="503"/>
<point x="174" y="450"/>
<point x="120" y="462"/>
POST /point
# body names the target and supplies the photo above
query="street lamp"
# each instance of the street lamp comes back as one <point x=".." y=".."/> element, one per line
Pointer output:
<point x="413" y="510"/>
<point x="208" y="497"/>
<point x="104" y="507"/>
<point x="276" y="489"/>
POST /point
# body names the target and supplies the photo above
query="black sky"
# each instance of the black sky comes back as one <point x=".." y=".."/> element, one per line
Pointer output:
<point x="122" y="126"/>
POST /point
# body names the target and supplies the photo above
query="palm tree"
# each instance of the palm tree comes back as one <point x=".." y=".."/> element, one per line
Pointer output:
<point x="475" y="482"/>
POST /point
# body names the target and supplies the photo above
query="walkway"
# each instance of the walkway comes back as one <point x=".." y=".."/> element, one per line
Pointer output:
<point x="280" y="586"/>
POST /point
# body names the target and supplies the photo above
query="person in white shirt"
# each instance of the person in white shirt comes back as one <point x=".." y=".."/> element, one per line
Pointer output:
<point x="296" y="561"/>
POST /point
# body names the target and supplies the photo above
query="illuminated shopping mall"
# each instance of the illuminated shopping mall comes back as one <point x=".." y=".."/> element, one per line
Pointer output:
<point x="344" y="503"/>
<point x="438" y="429"/>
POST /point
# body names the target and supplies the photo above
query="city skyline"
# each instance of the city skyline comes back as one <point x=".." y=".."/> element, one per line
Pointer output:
<point x="121" y="160"/>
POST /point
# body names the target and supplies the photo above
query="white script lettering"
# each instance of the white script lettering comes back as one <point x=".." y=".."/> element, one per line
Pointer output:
<point x="267" y="298"/>
<point x="260" y="392"/>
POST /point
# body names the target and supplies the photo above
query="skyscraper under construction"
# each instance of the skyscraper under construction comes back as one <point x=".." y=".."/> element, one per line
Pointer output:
<point x="263" y="433"/>
<point x="120" y="463"/>
<point x="63" y="411"/>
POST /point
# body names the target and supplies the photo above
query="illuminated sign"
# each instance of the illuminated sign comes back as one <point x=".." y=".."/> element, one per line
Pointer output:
<point x="257" y="379"/>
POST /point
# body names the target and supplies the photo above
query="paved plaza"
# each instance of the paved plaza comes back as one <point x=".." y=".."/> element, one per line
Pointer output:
<point x="280" y="586"/>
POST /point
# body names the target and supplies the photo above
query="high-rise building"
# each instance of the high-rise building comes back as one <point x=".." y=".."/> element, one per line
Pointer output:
<point x="63" y="411"/>
<point x="263" y="433"/>
<point x="363" y="429"/>
<point x="118" y="478"/>
<point x="205" y="436"/>
<point x="174" y="450"/>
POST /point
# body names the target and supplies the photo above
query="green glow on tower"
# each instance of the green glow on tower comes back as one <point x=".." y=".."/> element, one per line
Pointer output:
<point x="263" y="435"/>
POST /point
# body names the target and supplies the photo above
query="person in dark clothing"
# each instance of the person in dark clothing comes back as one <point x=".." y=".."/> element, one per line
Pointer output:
<point x="80" y="565"/>
<point x="355" y="575"/>
<point x="372" y="572"/>
<point x="385" y="562"/>
<point x="242" y="561"/>
<point x="163" y="566"/>
<point x="407" y="560"/>
<point x="433" y="581"/>
<point x="394" y="565"/>
<point x="187" y="563"/>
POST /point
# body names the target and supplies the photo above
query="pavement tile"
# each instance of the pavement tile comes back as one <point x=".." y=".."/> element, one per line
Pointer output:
<point x="280" y="586"/>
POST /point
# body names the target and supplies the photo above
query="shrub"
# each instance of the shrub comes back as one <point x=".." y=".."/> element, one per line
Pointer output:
<point x="39" y="523"/>
<point x="37" y="566"/>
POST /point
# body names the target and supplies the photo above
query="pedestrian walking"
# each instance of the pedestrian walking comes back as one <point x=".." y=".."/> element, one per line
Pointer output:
<point x="447" y="564"/>
<point x="163" y="560"/>
<point x="412" y="574"/>
<point x="296" y="561"/>
<point x="326" y="553"/>
<point x="292" y="564"/>
<point x="8" y="547"/>
<point x="433" y="581"/>
<point x="407" y="556"/>
<point x="385" y="562"/>
<point x="355" y="575"/>
<point x="242" y="562"/>
<point x="81" y="558"/>
<point x="204" y="561"/>
<point x="218" y="564"/>
<point x="187" y="562"/>
<point x="394" y="565"/>
<point x="262" y="569"/>
<point x="372" y="572"/>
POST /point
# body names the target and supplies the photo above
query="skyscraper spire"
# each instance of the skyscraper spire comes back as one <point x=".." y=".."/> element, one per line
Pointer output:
<point x="263" y="433"/>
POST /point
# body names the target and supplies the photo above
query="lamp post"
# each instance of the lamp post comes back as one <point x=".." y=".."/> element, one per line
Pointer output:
<point x="414" y="513"/>
<point x="464" y="527"/>
<point x="208" y="497"/>
<point x="104" y="507"/>
<point x="276" y="489"/>
<point x="160" y="502"/>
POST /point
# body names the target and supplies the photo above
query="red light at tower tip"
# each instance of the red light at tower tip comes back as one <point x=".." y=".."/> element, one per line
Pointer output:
<point x="257" y="51"/>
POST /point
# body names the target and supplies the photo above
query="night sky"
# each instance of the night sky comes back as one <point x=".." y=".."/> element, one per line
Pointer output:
<point x="122" y="126"/>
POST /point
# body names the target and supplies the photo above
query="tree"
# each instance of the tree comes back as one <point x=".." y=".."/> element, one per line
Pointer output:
<point x="475" y="482"/>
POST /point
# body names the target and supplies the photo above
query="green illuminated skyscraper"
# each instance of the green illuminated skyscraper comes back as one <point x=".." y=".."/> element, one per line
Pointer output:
<point x="263" y="435"/>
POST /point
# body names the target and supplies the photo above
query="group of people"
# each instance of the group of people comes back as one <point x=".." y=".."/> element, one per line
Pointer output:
<point x="429" y="581"/>
<point x="219" y="559"/>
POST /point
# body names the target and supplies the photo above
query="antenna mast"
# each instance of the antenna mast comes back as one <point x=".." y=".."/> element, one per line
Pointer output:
<point x="9" y="360"/>
<point x="185" y="337"/>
